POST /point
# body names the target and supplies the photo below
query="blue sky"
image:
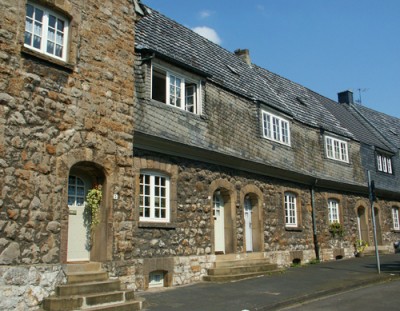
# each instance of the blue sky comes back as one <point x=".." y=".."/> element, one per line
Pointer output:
<point x="326" y="45"/>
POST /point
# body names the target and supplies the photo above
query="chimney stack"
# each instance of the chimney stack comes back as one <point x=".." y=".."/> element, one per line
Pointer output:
<point x="244" y="54"/>
<point x="345" y="97"/>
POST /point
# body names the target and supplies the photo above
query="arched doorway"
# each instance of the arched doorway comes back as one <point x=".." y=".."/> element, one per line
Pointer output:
<point x="252" y="223"/>
<point x="82" y="244"/>
<point x="362" y="224"/>
<point x="219" y="223"/>
<point x="78" y="222"/>
<point x="223" y="222"/>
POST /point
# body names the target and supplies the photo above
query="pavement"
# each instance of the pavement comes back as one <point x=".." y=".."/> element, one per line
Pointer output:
<point x="295" y="285"/>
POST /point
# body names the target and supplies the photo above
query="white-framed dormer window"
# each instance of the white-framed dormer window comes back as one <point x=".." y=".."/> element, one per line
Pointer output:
<point x="336" y="149"/>
<point x="275" y="128"/>
<point x="290" y="210"/>
<point x="176" y="90"/>
<point x="154" y="197"/>
<point x="396" y="219"/>
<point x="46" y="31"/>
<point x="384" y="163"/>
<point x="333" y="211"/>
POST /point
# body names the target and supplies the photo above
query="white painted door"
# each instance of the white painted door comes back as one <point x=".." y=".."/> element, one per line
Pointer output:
<point x="78" y="234"/>
<point x="248" y="228"/>
<point x="219" y="225"/>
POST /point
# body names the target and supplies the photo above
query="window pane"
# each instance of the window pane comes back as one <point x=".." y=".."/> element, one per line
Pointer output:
<point x="52" y="21"/>
<point x="59" y="38"/>
<point x="60" y="25"/>
<point x="58" y="51"/>
<point x="29" y="10"/>
<point x="28" y="25"/>
<point x="38" y="15"/>
<point x="50" y="35"/>
<point x="37" y="42"/>
<point x="28" y="38"/>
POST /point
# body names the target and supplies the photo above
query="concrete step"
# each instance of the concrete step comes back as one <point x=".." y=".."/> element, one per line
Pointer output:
<point x="241" y="256"/>
<point x="242" y="269"/>
<point x="236" y="277"/>
<point x="126" y="306"/>
<point x="88" y="288"/>
<point x="240" y="262"/>
<point x="82" y="267"/>
<point x="86" y="277"/>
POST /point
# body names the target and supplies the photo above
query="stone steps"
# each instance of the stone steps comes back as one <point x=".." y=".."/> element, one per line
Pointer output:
<point x="89" y="288"/>
<point x="234" y="267"/>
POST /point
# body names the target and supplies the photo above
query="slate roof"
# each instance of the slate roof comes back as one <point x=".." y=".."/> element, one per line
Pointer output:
<point x="387" y="125"/>
<point x="155" y="32"/>
<point x="350" y="119"/>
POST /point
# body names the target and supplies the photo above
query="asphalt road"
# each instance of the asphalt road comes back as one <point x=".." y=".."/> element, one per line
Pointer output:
<point x="384" y="296"/>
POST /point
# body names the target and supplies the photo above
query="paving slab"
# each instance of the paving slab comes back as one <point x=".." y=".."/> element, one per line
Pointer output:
<point x="296" y="284"/>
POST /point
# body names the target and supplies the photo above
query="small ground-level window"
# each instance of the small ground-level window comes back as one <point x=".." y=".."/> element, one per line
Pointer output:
<point x="156" y="279"/>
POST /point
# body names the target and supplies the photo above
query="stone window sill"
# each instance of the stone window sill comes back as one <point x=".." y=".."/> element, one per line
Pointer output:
<point x="295" y="229"/>
<point x="156" y="225"/>
<point x="59" y="63"/>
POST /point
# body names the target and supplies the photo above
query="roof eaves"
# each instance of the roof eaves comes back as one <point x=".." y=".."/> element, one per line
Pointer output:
<point x="174" y="61"/>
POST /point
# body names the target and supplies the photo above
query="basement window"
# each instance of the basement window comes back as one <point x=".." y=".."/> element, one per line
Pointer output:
<point x="176" y="90"/>
<point x="156" y="279"/>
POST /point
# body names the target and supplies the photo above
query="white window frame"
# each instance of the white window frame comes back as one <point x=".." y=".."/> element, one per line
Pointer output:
<point x="43" y="32"/>
<point x="151" y="197"/>
<point x="396" y="218"/>
<point x="290" y="210"/>
<point x="333" y="211"/>
<point x="336" y="149"/>
<point x="384" y="163"/>
<point x="184" y="84"/>
<point x="275" y="128"/>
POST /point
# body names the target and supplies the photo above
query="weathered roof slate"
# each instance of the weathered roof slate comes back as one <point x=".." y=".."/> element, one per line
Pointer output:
<point x="351" y="120"/>
<point x="387" y="125"/>
<point x="157" y="33"/>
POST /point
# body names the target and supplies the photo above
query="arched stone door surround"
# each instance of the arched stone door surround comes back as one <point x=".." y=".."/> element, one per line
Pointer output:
<point x="253" y="195"/>
<point x="226" y="191"/>
<point x="99" y="171"/>
<point x="362" y="221"/>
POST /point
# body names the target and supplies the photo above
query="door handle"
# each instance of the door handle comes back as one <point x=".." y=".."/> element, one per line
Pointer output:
<point x="72" y="212"/>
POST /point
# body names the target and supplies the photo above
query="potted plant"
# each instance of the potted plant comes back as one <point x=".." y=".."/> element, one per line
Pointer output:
<point x="360" y="246"/>
<point x="336" y="229"/>
<point x="93" y="200"/>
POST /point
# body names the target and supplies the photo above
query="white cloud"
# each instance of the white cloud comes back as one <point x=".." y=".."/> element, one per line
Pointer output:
<point x="208" y="33"/>
<point x="205" y="14"/>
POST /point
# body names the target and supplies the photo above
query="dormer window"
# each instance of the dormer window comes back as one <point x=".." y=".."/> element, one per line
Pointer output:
<point x="384" y="163"/>
<point x="275" y="128"/>
<point x="336" y="149"/>
<point x="46" y="31"/>
<point x="176" y="90"/>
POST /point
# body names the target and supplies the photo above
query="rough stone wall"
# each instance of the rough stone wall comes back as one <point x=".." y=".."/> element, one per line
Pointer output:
<point x="56" y="114"/>
<point x="81" y="110"/>
<point x="24" y="287"/>
<point x="185" y="246"/>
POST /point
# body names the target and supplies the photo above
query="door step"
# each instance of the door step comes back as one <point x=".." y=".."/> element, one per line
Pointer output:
<point x="89" y="288"/>
<point x="234" y="267"/>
